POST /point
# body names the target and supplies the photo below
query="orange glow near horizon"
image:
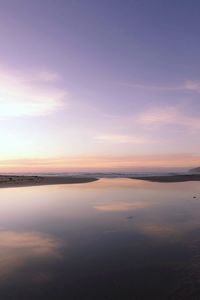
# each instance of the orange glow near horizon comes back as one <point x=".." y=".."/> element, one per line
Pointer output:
<point x="131" y="163"/>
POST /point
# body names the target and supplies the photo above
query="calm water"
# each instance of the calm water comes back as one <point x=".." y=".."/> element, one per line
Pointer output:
<point x="114" y="239"/>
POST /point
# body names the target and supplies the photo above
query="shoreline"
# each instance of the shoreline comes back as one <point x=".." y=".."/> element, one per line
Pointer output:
<point x="7" y="181"/>
<point x="169" y="178"/>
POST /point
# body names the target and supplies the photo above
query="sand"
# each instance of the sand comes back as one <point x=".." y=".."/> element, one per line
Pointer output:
<point x="24" y="180"/>
<point x="170" y="178"/>
<point x="20" y="181"/>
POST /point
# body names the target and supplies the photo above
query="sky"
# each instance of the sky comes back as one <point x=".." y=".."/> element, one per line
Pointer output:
<point x="106" y="85"/>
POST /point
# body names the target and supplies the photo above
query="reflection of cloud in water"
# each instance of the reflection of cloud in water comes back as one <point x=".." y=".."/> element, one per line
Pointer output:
<point x="121" y="206"/>
<point x="17" y="249"/>
<point x="158" y="229"/>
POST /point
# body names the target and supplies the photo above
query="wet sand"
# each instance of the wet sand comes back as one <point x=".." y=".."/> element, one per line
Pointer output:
<point x="170" y="178"/>
<point x="20" y="181"/>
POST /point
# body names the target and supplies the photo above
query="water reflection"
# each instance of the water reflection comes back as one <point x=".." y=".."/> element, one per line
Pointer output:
<point x="19" y="248"/>
<point x="120" y="206"/>
<point x="100" y="240"/>
<point x="160" y="230"/>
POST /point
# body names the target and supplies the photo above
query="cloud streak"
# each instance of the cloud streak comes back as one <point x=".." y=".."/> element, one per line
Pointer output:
<point x="187" y="85"/>
<point x="23" y="95"/>
<point x="166" y="116"/>
<point x="120" y="139"/>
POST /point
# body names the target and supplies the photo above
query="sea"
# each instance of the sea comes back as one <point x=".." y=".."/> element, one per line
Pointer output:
<point x="112" y="239"/>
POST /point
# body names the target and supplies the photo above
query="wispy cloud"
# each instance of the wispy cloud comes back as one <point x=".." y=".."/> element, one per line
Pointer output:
<point x="163" y="115"/>
<point x="153" y="87"/>
<point x="192" y="85"/>
<point x="118" y="138"/>
<point x="24" y="94"/>
<point x="168" y="115"/>
<point x="47" y="76"/>
<point x="187" y="85"/>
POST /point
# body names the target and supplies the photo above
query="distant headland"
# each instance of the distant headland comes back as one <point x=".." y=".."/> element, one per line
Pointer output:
<point x="195" y="170"/>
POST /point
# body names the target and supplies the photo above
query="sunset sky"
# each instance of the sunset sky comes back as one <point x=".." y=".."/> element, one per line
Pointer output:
<point x="99" y="85"/>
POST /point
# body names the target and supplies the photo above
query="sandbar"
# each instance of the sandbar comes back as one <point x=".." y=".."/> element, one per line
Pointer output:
<point x="25" y="180"/>
<point x="170" y="178"/>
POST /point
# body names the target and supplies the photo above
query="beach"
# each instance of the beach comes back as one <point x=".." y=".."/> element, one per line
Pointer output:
<point x="35" y="180"/>
<point x="170" y="178"/>
<point x="24" y="180"/>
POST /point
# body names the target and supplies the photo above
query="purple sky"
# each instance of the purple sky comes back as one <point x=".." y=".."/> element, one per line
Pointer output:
<point x="87" y="82"/>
